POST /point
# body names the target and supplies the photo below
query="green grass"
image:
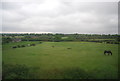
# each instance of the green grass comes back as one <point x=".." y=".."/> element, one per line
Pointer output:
<point x="60" y="62"/>
<point x="103" y="39"/>
<point x="64" y="37"/>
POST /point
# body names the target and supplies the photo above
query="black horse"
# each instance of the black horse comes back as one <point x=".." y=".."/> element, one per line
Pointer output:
<point x="107" y="52"/>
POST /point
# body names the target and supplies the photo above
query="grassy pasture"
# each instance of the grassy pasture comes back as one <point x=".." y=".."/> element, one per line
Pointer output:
<point x="83" y="60"/>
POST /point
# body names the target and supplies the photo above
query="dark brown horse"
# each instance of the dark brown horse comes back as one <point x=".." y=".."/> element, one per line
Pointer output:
<point x="107" y="52"/>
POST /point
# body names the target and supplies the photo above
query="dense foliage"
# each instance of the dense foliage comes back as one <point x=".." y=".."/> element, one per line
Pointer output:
<point x="113" y="39"/>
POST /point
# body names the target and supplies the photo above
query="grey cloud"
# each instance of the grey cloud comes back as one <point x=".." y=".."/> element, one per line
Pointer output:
<point x="60" y="16"/>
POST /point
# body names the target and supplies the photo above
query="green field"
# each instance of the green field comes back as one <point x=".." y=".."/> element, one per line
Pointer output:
<point x="83" y="60"/>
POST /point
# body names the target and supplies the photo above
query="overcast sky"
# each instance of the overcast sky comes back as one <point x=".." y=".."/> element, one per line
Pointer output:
<point x="60" y="16"/>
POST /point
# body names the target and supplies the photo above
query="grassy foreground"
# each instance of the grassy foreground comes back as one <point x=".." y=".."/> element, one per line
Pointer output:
<point x="84" y="60"/>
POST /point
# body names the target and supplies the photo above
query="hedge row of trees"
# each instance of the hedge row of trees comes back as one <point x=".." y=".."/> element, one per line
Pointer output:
<point x="58" y="37"/>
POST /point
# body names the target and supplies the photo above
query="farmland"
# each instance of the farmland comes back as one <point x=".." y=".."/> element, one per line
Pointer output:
<point x="85" y="60"/>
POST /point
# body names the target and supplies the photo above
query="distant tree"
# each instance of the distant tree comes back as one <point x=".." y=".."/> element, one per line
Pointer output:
<point x="6" y="40"/>
<point x="57" y="38"/>
<point x="118" y="38"/>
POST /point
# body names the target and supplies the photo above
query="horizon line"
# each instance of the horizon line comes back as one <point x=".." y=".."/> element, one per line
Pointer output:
<point x="54" y="33"/>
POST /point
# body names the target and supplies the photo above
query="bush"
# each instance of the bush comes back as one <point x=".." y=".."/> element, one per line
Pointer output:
<point x="22" y="45"/>
<point x="17" y="72"/>
<point x="40" y="42"/>
<point x="18" y="46"/>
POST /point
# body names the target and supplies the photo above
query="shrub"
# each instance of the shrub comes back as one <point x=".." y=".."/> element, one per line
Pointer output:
<point x="40" y="42"/>
<point x="18" y="46"/>
<point x="17" y="72"/>
<point x="22" y="45"/>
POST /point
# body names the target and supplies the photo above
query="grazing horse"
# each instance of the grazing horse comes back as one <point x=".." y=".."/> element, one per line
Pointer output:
<point x="108" y="52"/>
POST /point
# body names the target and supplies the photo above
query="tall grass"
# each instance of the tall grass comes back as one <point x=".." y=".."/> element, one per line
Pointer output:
<point x="18" y="72"/>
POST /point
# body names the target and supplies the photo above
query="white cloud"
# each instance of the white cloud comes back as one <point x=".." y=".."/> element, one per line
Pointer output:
<point x="64" y="0"/>
<point x="60" y="16"/>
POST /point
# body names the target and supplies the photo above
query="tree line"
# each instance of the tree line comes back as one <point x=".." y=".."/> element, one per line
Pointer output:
<point x="115" y="38"/>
